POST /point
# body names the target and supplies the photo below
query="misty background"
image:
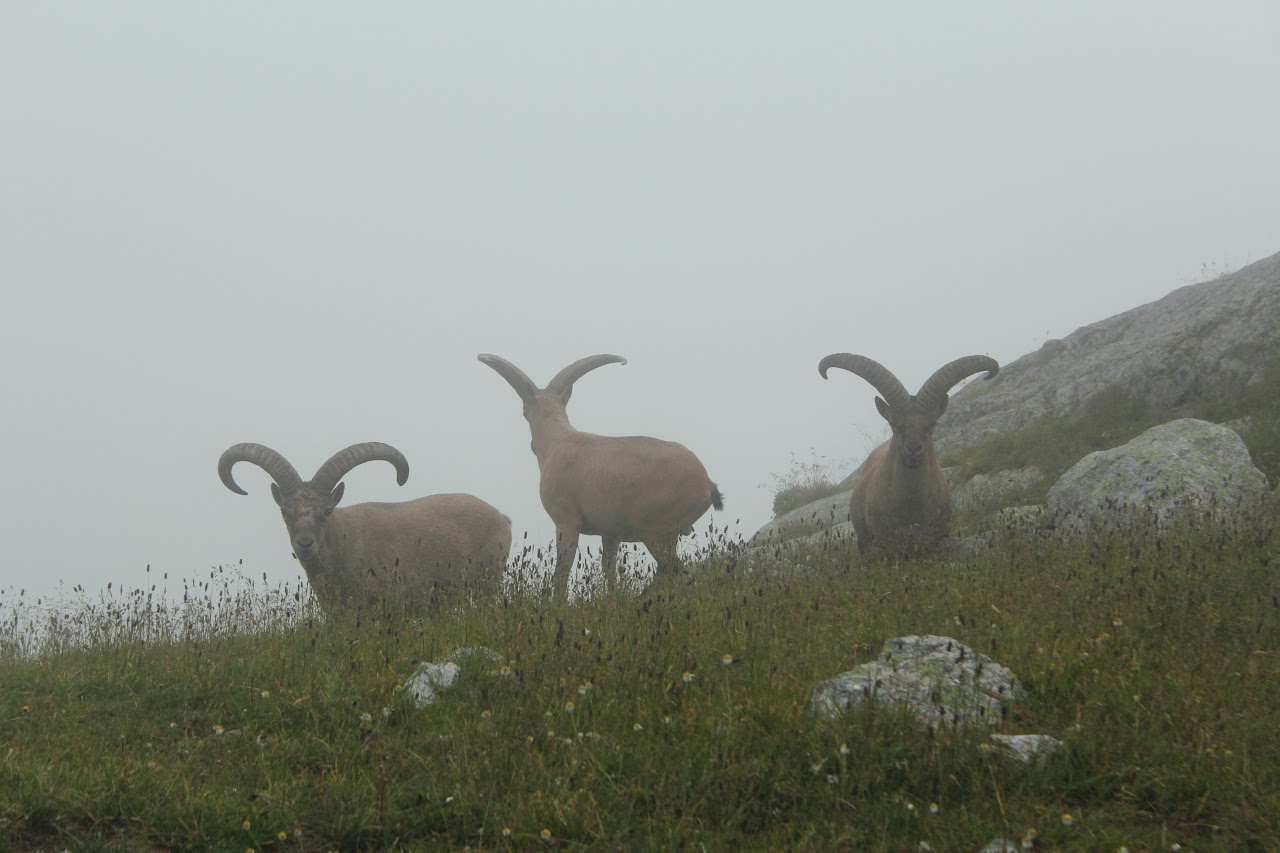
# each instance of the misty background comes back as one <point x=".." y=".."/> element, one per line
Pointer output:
<point x="298" y="223"/>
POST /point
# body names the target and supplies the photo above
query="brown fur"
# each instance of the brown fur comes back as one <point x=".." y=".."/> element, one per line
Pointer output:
<point x="405" y="552"/>
<point x="620" y="488"/>
<point x="901" y="505"/>
<point x="373" y="553"/>
<point x="899" y="509"/>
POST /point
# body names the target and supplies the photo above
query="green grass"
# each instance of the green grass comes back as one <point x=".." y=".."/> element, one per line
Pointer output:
<point x="807" y="482"/>
<point x="795" y="497"/>
<point x="1055" y="444"/>
<point x="1261" y="402"/>
<point x="1156" y="663"/>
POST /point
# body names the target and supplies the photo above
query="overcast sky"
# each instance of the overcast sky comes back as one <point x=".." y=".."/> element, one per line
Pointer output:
<point x="298" y="223"/>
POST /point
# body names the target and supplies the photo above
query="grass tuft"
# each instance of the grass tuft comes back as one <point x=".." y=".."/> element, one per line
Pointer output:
<point x="806" y="482"/>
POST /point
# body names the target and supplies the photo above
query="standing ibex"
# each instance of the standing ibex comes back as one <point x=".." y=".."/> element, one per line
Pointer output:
<point x="902" y="504"/>
<point x="623" y="489"/>
<point x="375" y="552"/>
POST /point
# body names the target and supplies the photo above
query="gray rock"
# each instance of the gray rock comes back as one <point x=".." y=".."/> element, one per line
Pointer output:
<point x="941" y="680"/>
<point x="1028" y="749"/>
<point x="430" y="678"/>
<point x="1202" y="342"/>
<point x="1169" y="470"/>
<point x="779" y="556"/>
<point x="805" y="521"/>
<point x="993" y="491"/>
<point x="1001" y="845"/>
<point x="837" y="535"/>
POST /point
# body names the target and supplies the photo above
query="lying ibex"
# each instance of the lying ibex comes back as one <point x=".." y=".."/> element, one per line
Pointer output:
<point x="623" y="489"/>
<point x="902" y="504"/>
<point x="375" y="552"/>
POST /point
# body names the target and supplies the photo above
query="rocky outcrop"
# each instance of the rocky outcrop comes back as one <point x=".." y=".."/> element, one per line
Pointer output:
<point x="940" y="680"/>
<point x="430" y="678"/>
<point x="1170" y="470"/>
<point x="945" y="684"/>
<point x="808" y="520"/>
<point x="1201" y="342"/>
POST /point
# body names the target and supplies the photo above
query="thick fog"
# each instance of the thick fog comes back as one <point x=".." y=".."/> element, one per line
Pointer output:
<point x="298" y="224"/>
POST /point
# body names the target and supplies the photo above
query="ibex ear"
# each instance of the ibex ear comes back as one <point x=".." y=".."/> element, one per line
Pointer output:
<point x="336" y="494"/>
<point x="883" y="408"/>
<point x="568" y="392"/>
<point x="275" y="493"/>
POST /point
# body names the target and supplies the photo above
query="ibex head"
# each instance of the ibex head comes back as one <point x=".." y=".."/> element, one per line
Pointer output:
<point x="306" y="507"/>
<point x="911" y="417"/>
<point x="549" y="402"/>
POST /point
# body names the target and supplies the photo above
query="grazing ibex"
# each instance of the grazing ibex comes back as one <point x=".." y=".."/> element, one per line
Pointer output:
<point x="375" y="552"/>
<point x="620" y="488"/>
<point x="902" y="504"/>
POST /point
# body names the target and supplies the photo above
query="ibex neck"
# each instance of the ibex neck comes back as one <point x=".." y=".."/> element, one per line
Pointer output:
<point x="548" y="427"/>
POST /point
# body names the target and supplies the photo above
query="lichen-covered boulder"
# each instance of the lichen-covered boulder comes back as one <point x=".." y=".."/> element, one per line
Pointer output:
<point x="995" y="491"/>
<point x="1170" y="470"/>
<point x="942" y="681"/>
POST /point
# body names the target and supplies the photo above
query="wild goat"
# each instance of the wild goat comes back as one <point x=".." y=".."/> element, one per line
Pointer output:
<point x="622" y="489"/>
<point x="374" y="552"/>
<point x="902" y="504"/>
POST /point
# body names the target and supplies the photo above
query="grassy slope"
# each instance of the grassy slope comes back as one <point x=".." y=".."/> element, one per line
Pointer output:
<point x="1170" y="716"/>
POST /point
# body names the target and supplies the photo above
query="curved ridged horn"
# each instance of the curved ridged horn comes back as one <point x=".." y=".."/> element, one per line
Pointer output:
<point x="358" y="454"/>
<point x="934" y="391"/>
<point x="564" y="380"/>
<point x="285" y="475"/>
<point x="515" y="377"/>
<point x="873" y="371"/>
